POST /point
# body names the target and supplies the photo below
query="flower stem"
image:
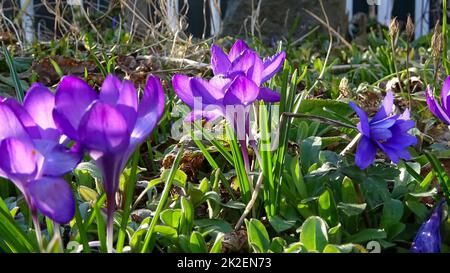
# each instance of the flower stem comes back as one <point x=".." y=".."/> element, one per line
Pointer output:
<point x="110" y="223"/>
<point x="129" y="191"/>
<point x="37" y="229"/>
<point x="244" y="151"/>
<point x="362" y="200"/>
<point x="255" y="193"/>
<point x="162" y="202"/>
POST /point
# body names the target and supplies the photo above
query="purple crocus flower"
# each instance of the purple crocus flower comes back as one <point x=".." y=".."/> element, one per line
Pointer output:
<point x="109" y="125"/>
<point x="241" y="60"/>
<point x="237" y="82"/>
<point x="428" y="238"/>
<point x="32" y="156"/>
<point x="385" y="131"/>
<point x="440" y="111"/>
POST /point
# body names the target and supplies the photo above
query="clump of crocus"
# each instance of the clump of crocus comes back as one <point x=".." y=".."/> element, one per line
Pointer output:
<point x="33" y="158"/>
<point x="242" y="60"/>
<point x="428" y="238"/>
<point x="440" y="111"/>
<point x="237" y="83"/>
<point x="385" y="131"/>
<point x="109" y="125"/>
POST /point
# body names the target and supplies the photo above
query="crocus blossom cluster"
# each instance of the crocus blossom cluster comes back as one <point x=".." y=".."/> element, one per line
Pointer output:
<point x="440" y="111"/>
<point x="109" y="125"/>
<point x="237" y="81"/>
<point x="32" y="156"/>
<point x="385" y="131"/>
<point x="428" y="238"/>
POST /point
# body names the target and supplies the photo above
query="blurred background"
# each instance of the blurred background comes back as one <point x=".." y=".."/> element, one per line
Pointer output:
<point x="269" y="20"/>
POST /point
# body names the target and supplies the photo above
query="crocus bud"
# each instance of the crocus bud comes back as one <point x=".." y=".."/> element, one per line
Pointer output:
<point x="393" y="28"/>
<point x="344" y="88"/>
<point x="409" y="28"/>
<point x="436" y="41"/>
<point x="428" y="239"/>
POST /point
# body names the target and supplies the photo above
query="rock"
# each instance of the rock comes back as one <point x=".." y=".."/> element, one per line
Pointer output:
<point x="276" y="18"/>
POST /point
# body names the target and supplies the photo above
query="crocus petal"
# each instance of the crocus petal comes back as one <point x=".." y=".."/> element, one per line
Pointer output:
<point x="39" y="103"/>
<point x="150" y="110"/>
<point x="363" y="125"/>
<point x="428" y="238"/>
<point x="58" y="160"/>
<point x="127" y="102"/>
<point x="73" y="97"/>
<point x="268" y="95"/>
<point x="54" y="198"/>
<point x="111" y="166"/>
<point x="384" y="123"/>
<point x="272" y="65"/>
<point x="109" y="92"/>
<point x="241" y="91"/>
<point x="380" y="134"/>
<point x="390" y="151"/>
<point x="27" y="121"/>
<point x="11" y="126"/>
<point x="386" y="107"/>
<point x="208" y="93"/>
<point x="219" y="60"/>
<point x="19" y="159"/>
<point x="365" y="153"/>
<point x="434" y="106"/>
<point x="244" y="62"/>
<point x="237" y="49"/>
<point x="256" y="71"/>
<point x="104" y="129"/>
<point x="182" y="87"/>
<point x="199" y="114"/>
<point x="220" y="82"/>
<point x="445" y="98"/>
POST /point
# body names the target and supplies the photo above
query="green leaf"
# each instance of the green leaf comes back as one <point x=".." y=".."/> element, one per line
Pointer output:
<point x="13" y="71"/>
<point x="171" y="217"/>
<point x="278" y="244"/>
<point x="197" y="243"/>
<point x="392" y="213"/>
<point x="295" y="248"/>
<point x="258" y="238"/>
<point x="217" y="225"/>
<point x="310" y="149"/>
<point x="440" y="173"/>
<point x="217" y="246"/>
<point x="348" y="248"/>
<point x="352" y="209"/>
<point x="365" y="235"/>
<point x="187" y="219"/>
<point x="280" y="224"/>
<point x="335" y="234"/>
<point x="419" y="209"/>
<point x="327" y="208"/>
<point x="313" y="234"/>
<point x="91" y="168"/>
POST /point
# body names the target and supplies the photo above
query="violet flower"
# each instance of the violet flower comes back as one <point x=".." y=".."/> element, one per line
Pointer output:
<point x="440" y="111"/>
<point x="109" y="125"/>
<point x="241" y="60"/>
<point x="385" y="131"/>
<point x="428" y="238"/>
<point x="32" y="156"/>
<point x="237" y="81"/>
